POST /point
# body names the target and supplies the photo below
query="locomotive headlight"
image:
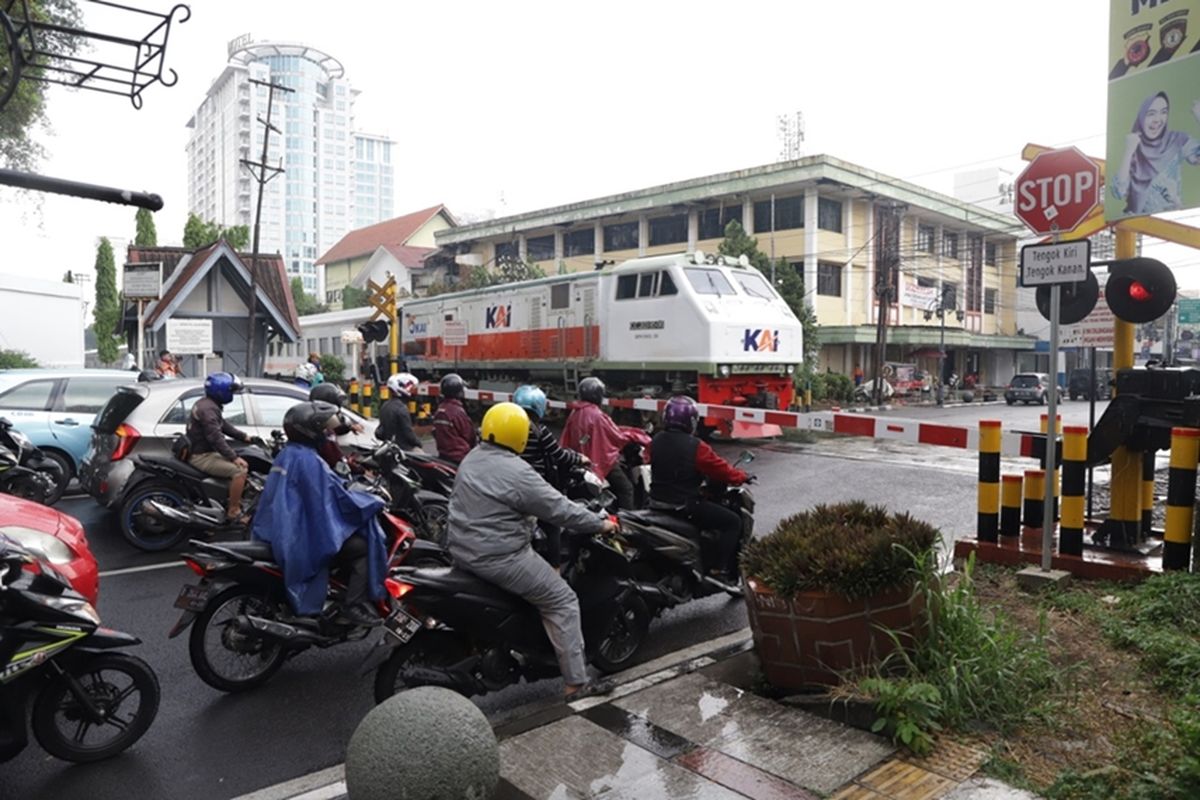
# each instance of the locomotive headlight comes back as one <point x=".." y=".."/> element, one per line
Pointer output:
<point x="723" y="370"/>
<point x="791" y="369"/>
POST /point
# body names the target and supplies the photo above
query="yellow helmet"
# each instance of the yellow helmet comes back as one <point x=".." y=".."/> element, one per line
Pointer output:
<point x="507" y="425"/>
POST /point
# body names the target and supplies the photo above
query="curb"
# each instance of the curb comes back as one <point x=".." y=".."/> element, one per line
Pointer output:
<point x="330" y="784"/>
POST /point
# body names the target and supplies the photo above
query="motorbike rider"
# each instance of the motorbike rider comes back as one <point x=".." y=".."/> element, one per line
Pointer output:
<point x="679" y="461"/>
<point x="330" y="449"/>
<point x="592" y="432"/>
<point x="490" y="532"/>
<point x="395" y="421"/>
<point x="207" y="449"/>
<point x="313" y="522"/>
<point x="453" y="430"/>
<point x="306" y="376"/>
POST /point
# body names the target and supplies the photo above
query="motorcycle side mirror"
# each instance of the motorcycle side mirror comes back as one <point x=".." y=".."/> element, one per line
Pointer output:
<point x="342" y="469"/>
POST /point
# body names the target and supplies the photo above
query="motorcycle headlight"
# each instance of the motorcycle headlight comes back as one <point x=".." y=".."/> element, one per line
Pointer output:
<point x="21" y="439"/>
<point x="42" y="545"/>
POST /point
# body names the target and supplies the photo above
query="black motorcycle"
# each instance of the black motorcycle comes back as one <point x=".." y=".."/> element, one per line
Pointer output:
<point x="26" y="471"/>
<point x="456" y="630"/>
<point x="89" y="702"/>
<point x="167" y="500"/>
<point x="403" y="478"/>
<point x="671" y="554"/>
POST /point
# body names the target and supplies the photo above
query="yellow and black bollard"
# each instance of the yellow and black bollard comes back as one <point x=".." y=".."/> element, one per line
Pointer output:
<point x="987" y="528"/>
<point x="1035" y="504"/>
<point x="1181" y="498"/>
<point x="366" y="399"/>
<point x="1010" y="507"/>
<point x="1147" y="494"/>
<point x="354" y="406"/>
<point x="1052" y="474"/>
<point x="1074" y="486"/>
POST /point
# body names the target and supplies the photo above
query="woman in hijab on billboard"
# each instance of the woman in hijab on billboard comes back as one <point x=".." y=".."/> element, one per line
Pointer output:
<point x="1149" y="178"/>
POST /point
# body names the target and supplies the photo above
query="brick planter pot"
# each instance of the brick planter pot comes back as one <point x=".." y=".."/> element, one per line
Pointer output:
<point x="806" y="641"/>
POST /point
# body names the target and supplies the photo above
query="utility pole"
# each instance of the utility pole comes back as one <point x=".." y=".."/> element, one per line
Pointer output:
<point x="262" y="173"/>
<point x="887" y="259"/>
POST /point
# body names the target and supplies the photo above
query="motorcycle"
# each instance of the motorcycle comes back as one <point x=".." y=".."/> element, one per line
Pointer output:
<point x="167" y="499"/>
<point x="242" y="628"/>
<point x="636" y="464"/>
<point x="403" y="479"/>
<point x="668" y="552"/>
<point x="88" y="702"/>
<point x="455" y="630"/>
<point x="27" y="472"/>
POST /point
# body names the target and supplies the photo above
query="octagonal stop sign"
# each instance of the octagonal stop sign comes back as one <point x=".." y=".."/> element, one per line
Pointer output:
<point x="1057" y="191"/>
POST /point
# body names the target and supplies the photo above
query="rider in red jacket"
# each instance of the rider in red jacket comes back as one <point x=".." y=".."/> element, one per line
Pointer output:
<point x="453" y="430"/>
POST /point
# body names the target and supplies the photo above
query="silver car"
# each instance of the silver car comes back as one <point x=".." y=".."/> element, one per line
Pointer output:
<point x="145" y="418"/>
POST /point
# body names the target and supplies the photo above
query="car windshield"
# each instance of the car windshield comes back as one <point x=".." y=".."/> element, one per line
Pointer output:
<point x="1025" y="381"/>
<point x="708" y="281"/>
<point x="754" y="285"/>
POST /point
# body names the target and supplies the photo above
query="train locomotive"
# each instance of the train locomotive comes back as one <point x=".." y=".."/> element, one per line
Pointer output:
<point x="710" y="326"/>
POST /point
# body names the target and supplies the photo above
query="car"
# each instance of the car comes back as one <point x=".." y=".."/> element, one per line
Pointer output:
<point x="53" y="538"/>
<point x="145" y="418"/>
<point x="1081" y="383"/>
<point x="1030" y="387"/>
<point x="55" y="409"/>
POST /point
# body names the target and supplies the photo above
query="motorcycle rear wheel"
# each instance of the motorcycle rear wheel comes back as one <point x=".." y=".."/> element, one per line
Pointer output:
<point x="427" y="649"/>
<point x="620" y="643"/>
<point x="214" y="638"/>
<point x="143" y="531"/>
<point x="437" y="520"/>
<point x="111" y="681"/>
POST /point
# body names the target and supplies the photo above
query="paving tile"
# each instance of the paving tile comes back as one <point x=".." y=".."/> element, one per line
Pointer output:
<point x="903" y="781"/>
<point x="699" y="709"/>
<point x="639" y="730"/>
<point x="669" y="782"/>
<point x="740" y="776"/>
<point x="988" y="789"/>
<point x="573" y="759"/>
<point x="952" y="759"/>
<point x="853" y="791"/>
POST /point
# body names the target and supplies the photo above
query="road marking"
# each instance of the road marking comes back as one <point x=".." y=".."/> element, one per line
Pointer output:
<point x="145" y="568"/>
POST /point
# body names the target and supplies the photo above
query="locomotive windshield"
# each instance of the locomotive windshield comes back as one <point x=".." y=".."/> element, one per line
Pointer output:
<point x="754" y="284"/>
<point x="708" y="281"/>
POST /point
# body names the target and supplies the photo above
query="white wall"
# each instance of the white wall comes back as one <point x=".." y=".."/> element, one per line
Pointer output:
<point x="43" y="318"/>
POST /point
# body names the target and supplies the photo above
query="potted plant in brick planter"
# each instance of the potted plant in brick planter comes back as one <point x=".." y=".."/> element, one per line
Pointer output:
<point x="822" y="587"/>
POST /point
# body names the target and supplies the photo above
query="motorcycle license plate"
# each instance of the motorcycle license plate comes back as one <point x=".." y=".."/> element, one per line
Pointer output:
<point x="192" y="597"/>
<point x="402" y="625"/>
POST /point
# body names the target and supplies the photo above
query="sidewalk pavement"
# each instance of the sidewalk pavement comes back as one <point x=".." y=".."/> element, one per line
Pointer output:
<point x="685" y="726"/>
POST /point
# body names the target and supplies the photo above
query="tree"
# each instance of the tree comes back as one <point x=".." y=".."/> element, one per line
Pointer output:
<point x="197" y="233"/>
<point x="17" y="359"/>
<point x="789" y="282"/>
<point x="305" y="302"/>
<point x="108" y="303"/>
<point x="353" y="297"/>
<point x="25" y="112"/>
<point x="147" y="235"/>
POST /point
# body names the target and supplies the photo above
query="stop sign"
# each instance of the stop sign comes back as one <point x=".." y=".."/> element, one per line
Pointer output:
<point x="1057" y="191"/>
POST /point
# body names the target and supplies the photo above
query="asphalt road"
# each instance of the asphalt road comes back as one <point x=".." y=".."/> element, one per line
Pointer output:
<point x="205" y="744"/>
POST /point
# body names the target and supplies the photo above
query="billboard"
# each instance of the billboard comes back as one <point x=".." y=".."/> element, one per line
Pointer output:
<point x="1153" y="154"/>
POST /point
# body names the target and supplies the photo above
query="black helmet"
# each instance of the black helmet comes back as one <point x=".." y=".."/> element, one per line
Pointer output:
<point x="305" y="423"/>
<point x="328" y="393"/>
<point x="592" y="390"/>
<point x="453" y="387"/>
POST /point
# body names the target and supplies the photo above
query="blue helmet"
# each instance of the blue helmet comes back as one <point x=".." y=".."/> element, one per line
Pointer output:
<point x="532" y="399"/>
<point x="222" y="386"/>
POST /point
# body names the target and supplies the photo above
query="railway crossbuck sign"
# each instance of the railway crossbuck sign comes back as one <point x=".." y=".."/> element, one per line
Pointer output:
<point x="1057" y="191"/>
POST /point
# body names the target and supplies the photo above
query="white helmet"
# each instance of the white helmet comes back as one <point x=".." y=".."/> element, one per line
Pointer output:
<point x="402" y="384"/>
<point x="306" y="372"/>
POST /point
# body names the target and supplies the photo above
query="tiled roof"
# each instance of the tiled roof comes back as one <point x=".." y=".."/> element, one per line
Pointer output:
<point x="389" y="233"/>
<point x="411" y="257"/>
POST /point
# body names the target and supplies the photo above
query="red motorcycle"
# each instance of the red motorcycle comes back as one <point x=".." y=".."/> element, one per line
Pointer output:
<point x="244" y="628"/>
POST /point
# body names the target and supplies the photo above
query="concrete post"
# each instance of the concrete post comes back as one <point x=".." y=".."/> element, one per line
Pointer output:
<point x="988" y="520"/>
<point x="1010" y="507"/>
<point x="1074" y="476"/>
<point x="1181" y="498"/>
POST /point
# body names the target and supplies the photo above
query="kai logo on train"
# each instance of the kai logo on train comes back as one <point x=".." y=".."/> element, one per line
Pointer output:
<point x="760" y="340"/>
<point x="498" y="317"/>
<point x="418" y="328"/>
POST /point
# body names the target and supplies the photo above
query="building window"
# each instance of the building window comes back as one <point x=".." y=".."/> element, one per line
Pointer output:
<point x="829" y="214"/>
<point x="989" y="254"/>
<point x="540" y="248"/>
<point x="622" y="236"/>
<point x="789" y="213"/>
<point x="926" y="283"/>
<point x="829" y="278"/>
<point x="925" y="237"/>
<point x="560" y="296"/>
<point x="949" y="296"/>
<point x="950" y="245"/>
<point x="668" y="230"/>
<point x="579" y="243"/>
<point x="989" y="301"/>
<point x="713" y="221"/>
<point x="507" y="251"/>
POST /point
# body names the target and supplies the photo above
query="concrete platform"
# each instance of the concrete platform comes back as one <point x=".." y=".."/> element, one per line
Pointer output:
<point x="1096" y="563"/>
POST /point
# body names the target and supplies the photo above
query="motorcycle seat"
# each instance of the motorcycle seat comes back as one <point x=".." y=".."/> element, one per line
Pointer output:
<point x="453" y="580"/>
<point x="170" y="462"/>
<point x="662" y="519"/>
<point x="259" y="551"/>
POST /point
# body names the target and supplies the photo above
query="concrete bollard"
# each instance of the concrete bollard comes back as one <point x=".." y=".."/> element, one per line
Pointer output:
<point x="1074" y="486"/>
<point x="1147" y="494"/>
<point x="423" y="744"/>
<point x="1035" y="503"/>
<point x="354" y="405"/>
<point x="1052" y="474"/>
<point x="1181" y="498"/>
<point x="987" y="525"/>
<point x="1010" y="507"/>
<point x="366" y="399"/>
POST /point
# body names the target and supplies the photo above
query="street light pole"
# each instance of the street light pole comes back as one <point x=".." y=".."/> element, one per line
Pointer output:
<point x="941" y="399"/>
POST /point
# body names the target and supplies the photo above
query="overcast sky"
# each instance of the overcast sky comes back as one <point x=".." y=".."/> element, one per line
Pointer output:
<point x="511" y="106"/>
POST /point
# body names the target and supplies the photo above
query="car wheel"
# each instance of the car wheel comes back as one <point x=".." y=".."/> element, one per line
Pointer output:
<point x="63" y="475"/>
<point x="1042" y="399"/>
<point x="1009" y="401"/>
<point x="1074" y="396"/>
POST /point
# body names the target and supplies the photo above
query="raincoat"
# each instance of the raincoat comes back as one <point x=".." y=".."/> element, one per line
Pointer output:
<point x="592" y="432"/>
<point x="307" y="514"/>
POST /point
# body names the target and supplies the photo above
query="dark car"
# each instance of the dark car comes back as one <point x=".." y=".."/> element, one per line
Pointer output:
<point x="1030" y="387"/>
<point x="1081" y="384"/>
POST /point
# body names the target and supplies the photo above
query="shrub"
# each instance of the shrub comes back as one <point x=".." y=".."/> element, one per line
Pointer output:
<point x="333" y="368"/>
<point x="16" y="359"/>
<point x="908" y="711"/>
<point x="851" y="549"/>
<point x="838" y="388"/>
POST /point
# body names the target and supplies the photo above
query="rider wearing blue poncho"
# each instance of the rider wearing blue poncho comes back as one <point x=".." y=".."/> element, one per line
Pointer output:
<point x="313" y="522"/>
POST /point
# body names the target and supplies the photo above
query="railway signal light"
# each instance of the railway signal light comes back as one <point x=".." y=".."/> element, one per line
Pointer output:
<point x="1139" y="289"/>
<point x="1076" y="302"/>
<point x="374" y="331"/>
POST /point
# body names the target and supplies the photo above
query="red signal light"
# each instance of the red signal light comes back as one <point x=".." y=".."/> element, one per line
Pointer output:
<point x="1139" y="293"/>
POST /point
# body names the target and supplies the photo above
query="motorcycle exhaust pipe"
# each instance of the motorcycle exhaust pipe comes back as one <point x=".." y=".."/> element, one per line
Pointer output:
<point x="280" y="631"/>
<point x="428" y="676"/>
<point x="190" y="519"/>
<point x="660" y="595"/>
